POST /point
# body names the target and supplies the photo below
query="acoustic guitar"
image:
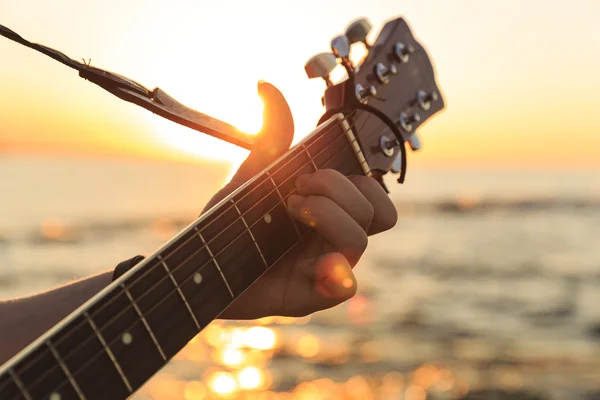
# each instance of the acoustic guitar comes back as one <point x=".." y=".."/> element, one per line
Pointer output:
<point x="111" y="345"/>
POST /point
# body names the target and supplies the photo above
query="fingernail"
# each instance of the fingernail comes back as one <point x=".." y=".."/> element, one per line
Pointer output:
<point x="295" y="200"/>
<point x="302" y="180"/>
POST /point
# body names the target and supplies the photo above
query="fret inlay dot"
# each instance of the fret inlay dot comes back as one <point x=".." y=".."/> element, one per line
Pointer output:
<point x="127" y="338"/>
<point x="54" y="396"/>
<point x="268" y="218"/>
<point x="197" y="278"/>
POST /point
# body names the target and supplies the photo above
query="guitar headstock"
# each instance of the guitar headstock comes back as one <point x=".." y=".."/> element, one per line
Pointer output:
<point x="387" y="96"/>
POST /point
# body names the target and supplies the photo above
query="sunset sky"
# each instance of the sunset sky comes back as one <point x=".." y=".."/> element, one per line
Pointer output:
<point x="521" y="78"/>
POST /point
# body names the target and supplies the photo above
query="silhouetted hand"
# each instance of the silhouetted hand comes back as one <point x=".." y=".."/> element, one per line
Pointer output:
<point x="317" y="274"/>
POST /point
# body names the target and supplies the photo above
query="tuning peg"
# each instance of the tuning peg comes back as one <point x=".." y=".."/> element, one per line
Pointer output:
<point x="340" y="46"/>
<point x="403" y="51"/>
<point x="363" y="94"/>
<point x="424" y="99"/>
<point x="341" y="49"/>
<point x="414" y="142"/>
<point x="407" y="119"/>
<point x="320" y="66"/>
<point x="358" y="30"/>
<point x="383" y="73"/>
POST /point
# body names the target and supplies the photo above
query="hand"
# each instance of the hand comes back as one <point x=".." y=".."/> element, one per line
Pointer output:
<point x="317" y="273"/>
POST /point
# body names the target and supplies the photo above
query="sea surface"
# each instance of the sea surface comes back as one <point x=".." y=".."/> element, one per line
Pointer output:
<point x="488" y="286"/>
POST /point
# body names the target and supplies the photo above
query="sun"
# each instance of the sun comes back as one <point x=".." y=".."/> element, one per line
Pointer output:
<point x="197" y="143"/>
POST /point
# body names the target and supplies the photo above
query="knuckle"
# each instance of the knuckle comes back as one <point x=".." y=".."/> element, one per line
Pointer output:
<point x="369" y="214"/>
<point x="326" y="177"/>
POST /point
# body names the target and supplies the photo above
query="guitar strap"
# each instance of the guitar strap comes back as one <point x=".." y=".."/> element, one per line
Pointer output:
<point x="156" y="100"/>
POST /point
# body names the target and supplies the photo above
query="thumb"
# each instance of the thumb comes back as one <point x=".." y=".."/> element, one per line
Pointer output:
<point x="274" y="138"/>
<point x="272" y="141"/>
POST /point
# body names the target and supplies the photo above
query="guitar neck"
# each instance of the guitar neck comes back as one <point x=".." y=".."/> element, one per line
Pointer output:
<point x="116" y="341"/>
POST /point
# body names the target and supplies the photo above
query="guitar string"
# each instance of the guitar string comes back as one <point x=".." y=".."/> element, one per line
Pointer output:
<point x="237" y="219"/>
<point x="187" y="279"/>
<point x="279" y="168"/>
<point x="112" y="342"/>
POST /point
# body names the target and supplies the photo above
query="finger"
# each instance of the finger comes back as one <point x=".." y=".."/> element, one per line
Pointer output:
<point x="335" y="186"/>
<point x="331" y="222"/>
<point x="385" y="214"/>
<point x="275" y="136"/>
<point x="272" y="141"/>
<point x="334" y="281"/>
<point x="323" y="283"/>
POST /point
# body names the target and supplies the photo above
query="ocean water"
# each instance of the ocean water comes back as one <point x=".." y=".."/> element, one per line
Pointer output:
<point x="489" y="282"/>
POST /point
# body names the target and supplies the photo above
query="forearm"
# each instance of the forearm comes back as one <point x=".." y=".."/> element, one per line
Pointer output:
<point x="24" y="320"/>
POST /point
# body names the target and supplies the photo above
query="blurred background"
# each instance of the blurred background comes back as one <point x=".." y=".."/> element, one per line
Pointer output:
<point x="489" y="285"/>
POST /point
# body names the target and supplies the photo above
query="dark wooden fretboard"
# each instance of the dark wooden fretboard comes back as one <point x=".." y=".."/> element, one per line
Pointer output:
<point x="116" y="341"/>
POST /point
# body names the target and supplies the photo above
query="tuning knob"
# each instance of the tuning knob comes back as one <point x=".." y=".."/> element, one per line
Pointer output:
<point x="414" y="142"/>
<point x="407" y="119"/>
<point x="383" y="73"/>
<point x="403" y="51"/>
<point x="340" y="45"/>
<point x="320" y="66"/>
<point x="363" y="94"/>
<point x="358" y="30"/>
<point x="424" y="99"/>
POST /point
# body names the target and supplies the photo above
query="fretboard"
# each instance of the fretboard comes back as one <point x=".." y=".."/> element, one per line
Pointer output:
<point x="116" y="341"/>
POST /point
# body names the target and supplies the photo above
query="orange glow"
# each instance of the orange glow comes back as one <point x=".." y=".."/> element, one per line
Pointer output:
<point x="347" y="283"/>
<point x="216" y="336"/>
<point x="445" y="380"/>
<point x="461" y="389"/>
<point x="502" y="107"/>
<point x="415" y="392"/>
<point x="360" y="311"/>
<point x="426" y="376"/>
<point x="195" y="391"/>
<point x="54" y="229"/>
<point x="222" y="383"/>
<point x="358" y="388"/>
<point x="251" y="378"/>
<point x="308" y="346"/>
<point x="232" y="357"/>
<point x="260" y="338"/>
<point x="163" y="228"/>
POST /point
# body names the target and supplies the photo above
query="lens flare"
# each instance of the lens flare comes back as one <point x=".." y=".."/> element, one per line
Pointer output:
<point x="223" y="383"/>
<point x="260" y="338"/>
<point x="308" y="346"/>
<point x="250" y="378"/>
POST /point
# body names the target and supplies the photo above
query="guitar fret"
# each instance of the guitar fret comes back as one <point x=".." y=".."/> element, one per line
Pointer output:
<point x="214" y="260"/>
<point x="65" y="370"/>
<point x="355" y="147"/>
<point x="250" y="232"/>
<point x="309" y="157"/>
<point x="146" y="299"/>
<point x="283" y="201"/>
<point x="139" y="312"/>
<point x="19" y="384"/>
<point x="109" y="352"/>
<point x="187" y="305"/>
